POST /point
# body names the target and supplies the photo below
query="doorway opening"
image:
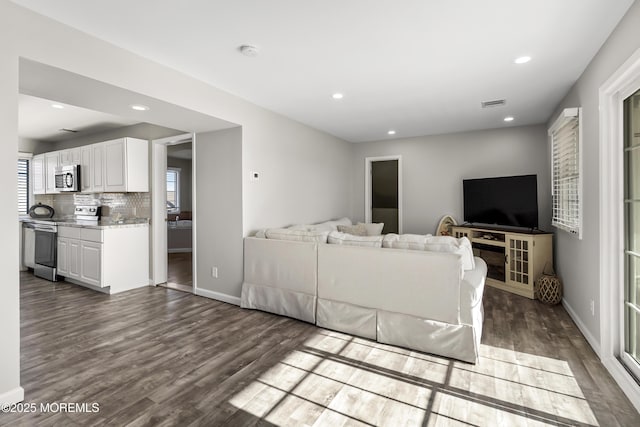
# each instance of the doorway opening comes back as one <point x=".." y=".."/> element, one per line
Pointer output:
<point x="173" y="220"/>
<point x="179" y="222"/>
<point x="383" y="192"/>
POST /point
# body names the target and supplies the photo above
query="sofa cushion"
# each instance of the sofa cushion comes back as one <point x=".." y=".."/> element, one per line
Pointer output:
<point x="449" y="244"/>
<point x="297" y="235"/>
<point x="338" y="238"/>
<point x="373" y="229"/>
<point x="355" y="230"/>
<point x="300" y="227"/>
<point x="405" y="241"/>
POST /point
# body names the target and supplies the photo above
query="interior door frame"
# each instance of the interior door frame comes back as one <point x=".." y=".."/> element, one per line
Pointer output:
<point x="159" y="247"/>
<point x="367" y="186"/>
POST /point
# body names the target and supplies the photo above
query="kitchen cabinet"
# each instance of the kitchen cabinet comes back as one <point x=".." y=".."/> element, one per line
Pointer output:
<point x="117" y="166"/>
<point x="126" y="165"/>
<point x="91" y="263"/>
<point x="112" y="259"/>
<point x="86" y="169"/>
<point x="68" y="263"/>
<point x="62" y="263"/>
<point x="51" y="162"/>
<point x="70" y="156"/>
<point x="39" y="174"/>
<point x="28" y="247"/>
<point x="92" y="168"/>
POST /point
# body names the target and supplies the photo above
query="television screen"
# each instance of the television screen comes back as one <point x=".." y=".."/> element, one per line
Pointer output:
<point x="509" y="201"/>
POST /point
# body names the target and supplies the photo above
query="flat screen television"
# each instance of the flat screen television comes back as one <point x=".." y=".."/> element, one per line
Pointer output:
<point x="508" y="201"/>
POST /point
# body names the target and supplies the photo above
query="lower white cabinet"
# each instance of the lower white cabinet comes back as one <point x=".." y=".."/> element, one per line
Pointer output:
<point x="91" y="263"/>
<point x="115" y="259"/>
<point x="28" y="247"/>
<point x="63" y="257"/>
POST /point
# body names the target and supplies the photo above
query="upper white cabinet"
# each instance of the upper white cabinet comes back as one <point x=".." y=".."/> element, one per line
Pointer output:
<point x="51" y="162"/>
<point x="72" y="156"/>
<point x="126" y="165"/>
<point x="92" y="168"/>
<point x="39" y="174"/>
<point x="120" y="165"/>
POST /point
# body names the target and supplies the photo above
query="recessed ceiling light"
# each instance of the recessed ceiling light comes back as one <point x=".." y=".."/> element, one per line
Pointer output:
<point x="522" y="60"/>
<point x="58" y="106"/>
<point x="508" y="119"/>
<point x="337" y="96"/>
<point x="139" y="107"/>
<point x="391" y="132"/>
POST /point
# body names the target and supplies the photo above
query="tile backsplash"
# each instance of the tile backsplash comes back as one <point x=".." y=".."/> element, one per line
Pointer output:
<point x="129" y="205"/>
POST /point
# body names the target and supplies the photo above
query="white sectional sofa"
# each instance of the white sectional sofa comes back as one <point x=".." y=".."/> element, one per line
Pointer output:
<point x="418" y="299"/>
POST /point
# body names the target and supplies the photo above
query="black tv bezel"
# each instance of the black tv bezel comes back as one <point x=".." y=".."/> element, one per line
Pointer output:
<point x="499" y="225"/>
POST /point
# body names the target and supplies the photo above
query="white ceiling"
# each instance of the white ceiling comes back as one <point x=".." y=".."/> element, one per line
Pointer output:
<point x="419" y="67"/>
<point x="40" y="121"/>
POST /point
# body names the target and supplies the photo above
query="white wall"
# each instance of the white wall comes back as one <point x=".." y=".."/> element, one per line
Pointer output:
<point x="434" y="167"/>
<point x="9" y="254"/>
<point x="578" y="261"/>
<point x="26" y="145"/>
<point x="305" y="172"/>
<point x="218" y="210"/>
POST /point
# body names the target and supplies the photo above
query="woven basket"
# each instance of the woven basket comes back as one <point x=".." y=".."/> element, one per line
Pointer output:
<point x="549" y="289"/>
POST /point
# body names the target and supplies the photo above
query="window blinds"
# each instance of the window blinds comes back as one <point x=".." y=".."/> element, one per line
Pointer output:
<point x="23" y="186"/>
<point x="565" y="164"/>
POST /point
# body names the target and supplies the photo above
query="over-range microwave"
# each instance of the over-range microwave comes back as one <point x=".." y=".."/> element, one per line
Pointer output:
<point x="68" y="178"/>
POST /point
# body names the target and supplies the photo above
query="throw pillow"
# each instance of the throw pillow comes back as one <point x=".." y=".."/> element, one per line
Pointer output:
<point x="355" y="230"/>
<point x="373" y="229"/>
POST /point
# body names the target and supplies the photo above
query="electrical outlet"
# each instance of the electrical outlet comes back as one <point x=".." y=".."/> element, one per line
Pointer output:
<point x="593" y="308"/>
<point x="214" y="272"/>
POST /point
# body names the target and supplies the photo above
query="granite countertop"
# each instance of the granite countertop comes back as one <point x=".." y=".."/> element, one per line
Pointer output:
<point x="100" y="225"/>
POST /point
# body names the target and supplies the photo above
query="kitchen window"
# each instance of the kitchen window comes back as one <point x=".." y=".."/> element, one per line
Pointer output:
<point x="24" y="187"/>
<point x="173" y="190"/>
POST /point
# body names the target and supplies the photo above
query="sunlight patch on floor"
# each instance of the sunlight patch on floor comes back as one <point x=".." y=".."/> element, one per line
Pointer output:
<point x="336" y="379"/>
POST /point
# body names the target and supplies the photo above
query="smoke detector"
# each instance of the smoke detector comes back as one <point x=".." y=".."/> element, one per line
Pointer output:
<point x="249" y="50"/>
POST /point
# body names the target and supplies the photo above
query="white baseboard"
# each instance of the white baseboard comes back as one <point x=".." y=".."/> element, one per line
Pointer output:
<point x="218" y="296"/>
<point x="12" y="396"/>
<point x="179" y="250"/>
<point x="593" y="342"/>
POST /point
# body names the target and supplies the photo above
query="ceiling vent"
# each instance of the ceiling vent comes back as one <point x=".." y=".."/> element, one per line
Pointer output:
<point x="495" y="103"/>
<point x="69" y="130"/>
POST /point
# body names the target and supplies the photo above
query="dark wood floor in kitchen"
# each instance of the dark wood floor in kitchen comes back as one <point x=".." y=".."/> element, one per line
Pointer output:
<point x="156" y="356"/>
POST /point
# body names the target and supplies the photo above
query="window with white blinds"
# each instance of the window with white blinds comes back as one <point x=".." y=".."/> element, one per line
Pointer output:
<point x="566" y="182"/>
<point x="23" y="186"/>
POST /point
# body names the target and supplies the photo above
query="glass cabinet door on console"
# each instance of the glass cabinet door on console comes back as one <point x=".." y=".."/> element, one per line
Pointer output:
<point x="518" y="261"/>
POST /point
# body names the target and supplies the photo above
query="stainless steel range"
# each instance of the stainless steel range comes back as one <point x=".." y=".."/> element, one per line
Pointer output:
<point x="45" y="256"/>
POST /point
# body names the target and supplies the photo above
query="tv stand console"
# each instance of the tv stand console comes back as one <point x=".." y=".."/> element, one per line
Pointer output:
<point x="515" y="259"/>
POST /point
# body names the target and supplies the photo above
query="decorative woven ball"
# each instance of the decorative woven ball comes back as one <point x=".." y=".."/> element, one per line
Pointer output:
<point x="549" y="289"/>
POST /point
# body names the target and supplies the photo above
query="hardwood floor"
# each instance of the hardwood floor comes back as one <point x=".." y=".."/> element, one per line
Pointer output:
<point x="159" y="357"/>
<point x="180" y="271"/>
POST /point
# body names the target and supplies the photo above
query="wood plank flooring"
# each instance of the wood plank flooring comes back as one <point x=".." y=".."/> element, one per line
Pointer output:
<point x="180" y="271"/>
<point x="159" y="357"/>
